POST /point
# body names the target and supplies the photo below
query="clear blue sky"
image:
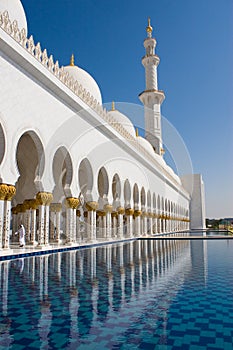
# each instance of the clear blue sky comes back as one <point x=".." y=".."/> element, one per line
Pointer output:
<point x="195" y="47"/>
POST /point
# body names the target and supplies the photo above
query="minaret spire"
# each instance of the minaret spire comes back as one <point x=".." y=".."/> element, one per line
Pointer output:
<point x="149" y="29"/>
<point x="72" y="60"/>
<point x="151" y="97"/>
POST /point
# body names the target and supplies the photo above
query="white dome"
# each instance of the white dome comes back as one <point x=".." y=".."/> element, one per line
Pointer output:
<point x="16" y="12"/>
<point x="146" y="144"/>
<point x="124" y="121"/>
<point x="86" y="80"/>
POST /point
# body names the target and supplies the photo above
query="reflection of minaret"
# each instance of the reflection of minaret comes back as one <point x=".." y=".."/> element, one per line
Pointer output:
<point x="199" y="260"/>
<point x="152" y="98"/>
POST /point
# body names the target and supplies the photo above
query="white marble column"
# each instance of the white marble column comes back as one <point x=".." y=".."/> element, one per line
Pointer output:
<point x="129" y="222"/>
<point x="1" y="220"/>
<point x="114" y="224"/>
<point x="108" y="211"/>
<point x="7" y="216"/>
<point x="137" y="222"/>
<point x="120" y="228"/>
<point x="91" y="220"/>
<point x="144" y="223"/>
<point x="58" y="223"/>
<point x="71" y="205"/>
<point x="43" y="199"/>
<point x="150" y="223"/>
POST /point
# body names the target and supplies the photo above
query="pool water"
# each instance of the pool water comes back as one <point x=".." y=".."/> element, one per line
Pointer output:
<point x="144" y="294"/>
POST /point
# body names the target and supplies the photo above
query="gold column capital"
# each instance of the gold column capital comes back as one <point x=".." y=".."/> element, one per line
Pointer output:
<point x="92" y="206"/>
<point x="55" y="207"/>
<point x="129" y="211"/>
<point x="144" y="214"/>
<point x="72" y="202"/>
<point x="11" y="192"/>
<point x="121" y="210"/>
<point x="7" y="192"/>
<point x="27" y="204"/>
<point x="137" y="213"/>
<point x="101" y="213"/>
<point x="3" y="191"/>
<point x="114" y="214"/>
<point x="108" y="208"/>
<point x="44" y="198"/>
<point x="34" y="204"/>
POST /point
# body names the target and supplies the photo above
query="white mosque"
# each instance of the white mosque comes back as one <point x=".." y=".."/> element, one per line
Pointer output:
<point x="72" y="171"/>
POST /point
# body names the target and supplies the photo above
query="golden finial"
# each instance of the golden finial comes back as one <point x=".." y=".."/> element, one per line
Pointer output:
<point x="72" y="60"/>
<point x="149" y="29"/>
<point x="136" y="132"/>
<point x="113" y="106"/>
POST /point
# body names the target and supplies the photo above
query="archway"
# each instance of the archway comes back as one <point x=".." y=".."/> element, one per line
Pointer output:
<point x="2" y="144"/>
<point x="62" y="174"/>
<point x="85" y="175"/>
<point x="116" y="190"/>
<point x="127" y="193"/>
<point x="30" y="162"/>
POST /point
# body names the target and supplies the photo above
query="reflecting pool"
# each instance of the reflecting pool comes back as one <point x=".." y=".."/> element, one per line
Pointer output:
<point x="144" y="294"/>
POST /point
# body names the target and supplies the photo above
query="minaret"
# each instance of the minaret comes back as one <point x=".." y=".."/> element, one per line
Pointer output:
<point x="152" y="98"/>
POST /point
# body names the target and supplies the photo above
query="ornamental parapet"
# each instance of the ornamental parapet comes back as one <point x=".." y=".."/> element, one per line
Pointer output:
<point x="92" y="206"/>
<point x="72" y="202"/>
<point x="7" y="192"/>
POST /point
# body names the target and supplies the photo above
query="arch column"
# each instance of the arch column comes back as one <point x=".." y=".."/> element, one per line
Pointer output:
<point x="144" y="223"/>
<point x="137" y="222"/>
<point x="108" y="210"/>
<point x="7" y="192"/>
<point x="102" y="224"/>
<point x="71" y="205"/>
<point x="114" y="224"/>
<point x="44" y="200"/>
<point x="150" y="222"/>
<point x="154" y="223"/>
<point x="78" y="230"/>
<point x="34" y="207"/>
<point x="129" y="222"/>
<point x="120" y="228"/>
<point x="91" y="220"/>
<point x="55" y="222"/>
<point x="27" y="216"/>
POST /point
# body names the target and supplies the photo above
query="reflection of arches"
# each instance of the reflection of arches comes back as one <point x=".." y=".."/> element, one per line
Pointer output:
<point x="116" y="187"/>
<point x="2" y="144"/>
<point x="62" y="173"/>
<point x="127" y="193"/>
<point x="30" y="162"/>
<point x="103" y="183"/>
<point x="85" y="175"/>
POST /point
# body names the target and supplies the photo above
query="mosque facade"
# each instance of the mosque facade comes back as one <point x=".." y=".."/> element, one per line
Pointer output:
<point x="72" y="171"/>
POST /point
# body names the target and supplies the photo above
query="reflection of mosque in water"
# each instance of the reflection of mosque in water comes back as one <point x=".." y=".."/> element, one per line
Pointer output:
<point x="85" y="291"/>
